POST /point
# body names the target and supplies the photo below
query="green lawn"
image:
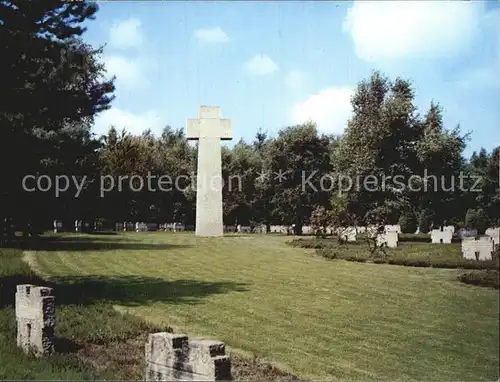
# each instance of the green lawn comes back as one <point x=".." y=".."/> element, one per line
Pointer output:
<point x="320" y="318"/>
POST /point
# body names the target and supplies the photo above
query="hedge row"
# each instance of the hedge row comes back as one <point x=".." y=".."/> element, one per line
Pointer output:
<point x="407" y="261"/>
<point x="481" y="278"/>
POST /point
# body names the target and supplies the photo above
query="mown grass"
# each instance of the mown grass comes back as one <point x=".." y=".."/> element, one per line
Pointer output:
<point x="344" y="320"/>
<point x="94" y="338"/>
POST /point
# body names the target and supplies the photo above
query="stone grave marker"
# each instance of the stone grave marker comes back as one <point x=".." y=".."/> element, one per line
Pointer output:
<point x="36" y="319"/>
<point x="477" y="248"/>
<point x="279" y="229"/>
<point x="179" y="227"/>
<point x="261" y="228"/>
<point x="395" y="228"/>
<point x="466" y="232"/>
<point x="450" y="228"/>
<point x="388" y="239"/>
<point x="494" y="233"/>
<point x="347" y="233"/>
<point x="141" y="227"/>
<point x="243" y="228"/>
<point x="442" y="235"/>
<point x="361" y="229"/>
<point x="58" y="226"/>
<point x="229" y="228"/>
<point x="173" y="357"/>
<point x="307" y="230"/>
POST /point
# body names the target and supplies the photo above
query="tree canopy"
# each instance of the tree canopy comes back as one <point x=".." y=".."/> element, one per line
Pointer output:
<point x="401" y="162"/>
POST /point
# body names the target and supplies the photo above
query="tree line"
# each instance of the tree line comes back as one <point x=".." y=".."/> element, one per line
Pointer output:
<point x="54" y="86"/>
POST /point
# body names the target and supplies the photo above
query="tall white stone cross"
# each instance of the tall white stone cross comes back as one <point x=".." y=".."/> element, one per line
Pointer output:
<point x="209" y="129"/>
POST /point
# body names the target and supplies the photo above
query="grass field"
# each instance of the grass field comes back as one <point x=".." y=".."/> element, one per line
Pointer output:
<point x="319" y="318"/>
<point x="93" y="341"/>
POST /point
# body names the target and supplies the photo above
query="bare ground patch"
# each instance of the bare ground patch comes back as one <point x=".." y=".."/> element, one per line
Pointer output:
<point x="125" y="360"/>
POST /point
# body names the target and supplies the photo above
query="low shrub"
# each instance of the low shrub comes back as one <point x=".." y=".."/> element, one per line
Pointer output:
<point x="409" y="262"/>
<point x="314" y="243"/>
<point x="488" y="278"/>
<point x="482" y="264"/>
<point x="327" y="254"/>
<point x="414" y="237"/>
<point x="358" y="259"/>
<point x="444" y="264"/>
<point x="408" y="222"/>
<point x="422" y="260"/>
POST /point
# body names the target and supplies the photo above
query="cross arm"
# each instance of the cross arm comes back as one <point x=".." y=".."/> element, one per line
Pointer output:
<point x="203" y="128"/>
<point x="226" y="130"/>
<point x="193" y="129"/>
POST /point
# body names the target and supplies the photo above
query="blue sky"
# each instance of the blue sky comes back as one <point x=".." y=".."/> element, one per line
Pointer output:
<point x="273" y="64"/>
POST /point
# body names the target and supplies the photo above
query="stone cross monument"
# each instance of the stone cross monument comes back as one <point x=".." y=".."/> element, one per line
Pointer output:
<point x="209" y="129"/>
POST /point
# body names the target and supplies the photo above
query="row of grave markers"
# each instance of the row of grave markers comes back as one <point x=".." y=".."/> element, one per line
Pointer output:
<point x="442" y="235"/>
<point x="474" y="247"/>
<point x="81" y="226"/>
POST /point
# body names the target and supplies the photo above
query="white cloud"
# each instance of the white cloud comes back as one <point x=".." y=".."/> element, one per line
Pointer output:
<point x="330" y="109"/>
<point x="211" y="35"/>
<point x="405" y="29"/>
<point x="133" y="123"/>
<point x="261" y="65"/>
<point x="126" y="34"/>
<point x="295" y="79"/>
<point x="130" y="73"/>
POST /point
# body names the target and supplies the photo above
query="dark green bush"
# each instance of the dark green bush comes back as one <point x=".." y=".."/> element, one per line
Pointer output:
<point x="413" y="253"/>
<point x="476" y="219"/>
<point x="358" y="259"/>
<point x="327" y="254"/>
<point x="415" y="237"/>
<point x="408" y="223"/>
<point x="474" y="264"/>
<point x="481" y="278"/>
<point x="409" y="262"/>
<point x="424" y="221"/>
<point x="443" y="264"/>
<point x="315" y="243"/>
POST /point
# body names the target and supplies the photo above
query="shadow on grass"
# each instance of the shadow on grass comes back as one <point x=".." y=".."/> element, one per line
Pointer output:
<point x="122" y="290"/>
<point x="103" y="233"/>
<point x="87" y="243"/>
<point x="237" y="235"/>
<point x="85" y="314"/>
<point x="65" y="345"/>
